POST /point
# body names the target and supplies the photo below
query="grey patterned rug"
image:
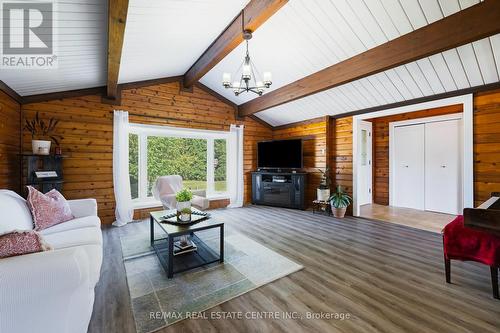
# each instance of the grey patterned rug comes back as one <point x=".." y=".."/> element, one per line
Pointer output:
<point x="158" y="302"/>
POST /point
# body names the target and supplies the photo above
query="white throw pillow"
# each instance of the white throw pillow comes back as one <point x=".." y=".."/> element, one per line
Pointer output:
<point x="14" y="213"/>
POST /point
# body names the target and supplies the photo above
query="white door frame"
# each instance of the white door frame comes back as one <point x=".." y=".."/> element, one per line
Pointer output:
<point x="369" y="167"/>
<point x="468" y="161"/>
<point x="392" y="125"/>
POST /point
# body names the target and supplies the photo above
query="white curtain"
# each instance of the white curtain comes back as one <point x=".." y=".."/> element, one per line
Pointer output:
<point x="124" y="211"/>
<point x="235" y="163"/>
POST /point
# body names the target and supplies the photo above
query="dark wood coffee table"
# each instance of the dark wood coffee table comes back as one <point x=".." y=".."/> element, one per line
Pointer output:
<point x="164" y="246"/>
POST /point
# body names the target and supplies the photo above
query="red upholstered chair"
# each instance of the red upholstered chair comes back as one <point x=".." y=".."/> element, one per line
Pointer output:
<point x="463" y="243"/>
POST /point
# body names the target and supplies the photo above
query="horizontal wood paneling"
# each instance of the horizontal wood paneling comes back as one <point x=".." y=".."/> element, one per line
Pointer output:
<point x="10" y="143"/>
<point x="341" y="152"/>
<point x="486" y="145"/>
<point x="314" y="152"/>
<point x="87" y="127"/>
<point x="381" y="147"/>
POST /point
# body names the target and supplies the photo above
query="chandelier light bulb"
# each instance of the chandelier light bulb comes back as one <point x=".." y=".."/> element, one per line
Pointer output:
<point x="247" y="71"/>
<point x="226" y="79"/>
<point x="236" y="86"/>
<point x="268" y="79"/>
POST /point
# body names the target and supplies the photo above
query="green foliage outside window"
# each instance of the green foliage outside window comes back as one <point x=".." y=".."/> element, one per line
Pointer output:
<point x="177" y="156"/>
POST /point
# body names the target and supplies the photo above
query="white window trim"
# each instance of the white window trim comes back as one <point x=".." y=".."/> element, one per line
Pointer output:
<point x="143" y="131"/>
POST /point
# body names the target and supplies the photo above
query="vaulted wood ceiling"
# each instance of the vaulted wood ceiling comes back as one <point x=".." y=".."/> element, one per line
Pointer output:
<point x="164" y="38"/>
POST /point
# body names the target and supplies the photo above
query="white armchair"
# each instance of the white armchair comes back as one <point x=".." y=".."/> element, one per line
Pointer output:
<point x="166" y="187"/>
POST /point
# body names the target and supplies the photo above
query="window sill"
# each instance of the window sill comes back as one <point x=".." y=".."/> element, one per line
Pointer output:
<point x="156" y="203"/>
<point x="146" y="204"/>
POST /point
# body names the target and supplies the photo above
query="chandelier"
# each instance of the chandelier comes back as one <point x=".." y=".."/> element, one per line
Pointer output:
<point x="250" y="79"/>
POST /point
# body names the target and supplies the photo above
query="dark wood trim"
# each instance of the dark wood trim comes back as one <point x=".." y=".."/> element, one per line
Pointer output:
<point x="215" y="94"/>
<point x="63" y="94"/>
<point x="300" y="123"/>
<point x="255" y="13"/>
<point x="471" y="24"/>
<point x="329" y="137"/>
<point x="148" y="83"/>
<point x="472" y="90"/>
<point x="117" y="18"/>
<point x="219" y="97"/>
<point x="262" y="122"/>
<point x="11" y="92"/>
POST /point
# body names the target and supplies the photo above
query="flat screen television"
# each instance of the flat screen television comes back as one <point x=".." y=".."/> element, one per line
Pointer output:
<point x="280" y="154"/>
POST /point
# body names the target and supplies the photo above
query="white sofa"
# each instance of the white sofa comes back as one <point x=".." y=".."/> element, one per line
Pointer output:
<point x="51" y="291"/>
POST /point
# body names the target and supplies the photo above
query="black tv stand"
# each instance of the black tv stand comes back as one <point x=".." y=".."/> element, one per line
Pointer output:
<point x="281" y="189"/>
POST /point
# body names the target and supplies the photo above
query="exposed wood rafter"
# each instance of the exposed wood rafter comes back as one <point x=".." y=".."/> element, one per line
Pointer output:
<point x="117" y="17"/>
<point x="474" y="23"/>
<point x="10" y="92"/>
<point x="254" y="15"/>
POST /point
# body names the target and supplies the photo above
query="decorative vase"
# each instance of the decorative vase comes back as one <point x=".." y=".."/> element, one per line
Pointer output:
<point x="40" y="147"/>
<point x="339" y="212"/>
<point x="184" y="211"/>
<point x="323" y="194"/>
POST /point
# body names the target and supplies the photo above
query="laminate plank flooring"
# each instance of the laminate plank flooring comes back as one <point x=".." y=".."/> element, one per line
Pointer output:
<point x="414" y="218"/>
<point x="387" y="277"/>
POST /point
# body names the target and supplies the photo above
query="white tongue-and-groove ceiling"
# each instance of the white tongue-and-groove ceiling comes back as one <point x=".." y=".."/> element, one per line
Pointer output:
<point x="81" y="35"/>
<point x="307" y="36"/>
<point x="163" y="38"/>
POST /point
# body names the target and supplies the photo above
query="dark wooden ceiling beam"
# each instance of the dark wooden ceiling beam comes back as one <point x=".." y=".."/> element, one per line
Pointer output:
<point x="254" y="14"/>
<point x="10" y="92"/>
<point x="474" y="23"/>
<point x="117" y="18"/>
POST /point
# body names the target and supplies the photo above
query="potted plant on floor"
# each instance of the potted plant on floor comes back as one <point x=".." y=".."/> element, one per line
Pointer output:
<point x="42" y="134"/>
<point x="339" y="201"/>
<point x="183" y="206"/>
<point x="323" y="190"/>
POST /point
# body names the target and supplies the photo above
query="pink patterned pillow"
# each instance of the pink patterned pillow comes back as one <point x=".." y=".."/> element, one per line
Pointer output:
<point x="16" y="243"/>
<point x="48" y="209"/>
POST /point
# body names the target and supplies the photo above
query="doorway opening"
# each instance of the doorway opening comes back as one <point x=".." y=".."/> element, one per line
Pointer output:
<point x="421" y="163"/>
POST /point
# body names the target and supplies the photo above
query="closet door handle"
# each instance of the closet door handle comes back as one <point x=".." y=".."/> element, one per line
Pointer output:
<point x="443" y="166"/>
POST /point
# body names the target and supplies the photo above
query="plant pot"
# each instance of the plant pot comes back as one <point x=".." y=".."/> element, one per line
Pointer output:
<point x="182" y="208"/>
<point x="323" y="194"/>
<point x="40" y="147"/>
<point x="339" y="212"/>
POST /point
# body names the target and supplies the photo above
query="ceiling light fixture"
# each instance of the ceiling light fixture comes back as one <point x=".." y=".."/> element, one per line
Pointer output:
<point x="250" y="80"/>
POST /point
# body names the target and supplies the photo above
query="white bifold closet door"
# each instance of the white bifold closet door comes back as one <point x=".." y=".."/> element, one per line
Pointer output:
<point x="409" y="152"/>
<point x="443" y="177"/>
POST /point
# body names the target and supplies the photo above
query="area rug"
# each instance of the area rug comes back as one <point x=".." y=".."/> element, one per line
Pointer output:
<point x="158" y="302"/>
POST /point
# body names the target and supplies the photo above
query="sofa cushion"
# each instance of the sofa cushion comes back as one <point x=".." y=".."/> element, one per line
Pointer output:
<point x="75" y="237"/>
<point x="21" y="242"/>
<point x="82" y="222"/>
<point x="15" y="212"/>
<point x="48" y="209"/>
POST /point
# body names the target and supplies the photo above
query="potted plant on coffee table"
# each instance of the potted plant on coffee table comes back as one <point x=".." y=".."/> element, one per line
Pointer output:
<point x="339" y="201"/>
<point x="323" y="190"/>
<point x="183" y="198"/>
<point x="42" y="134"/>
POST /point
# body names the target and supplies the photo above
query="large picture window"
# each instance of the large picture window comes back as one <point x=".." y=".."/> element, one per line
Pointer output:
<point x="199" y="157"/>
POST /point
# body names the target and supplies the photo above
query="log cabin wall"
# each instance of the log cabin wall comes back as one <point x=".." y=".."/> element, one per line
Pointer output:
<point x="380" y="135"/>
<point x="314" y="152"/>
<point x="486" y="145"/>
<point x="87" y="127"/>
<point x="10" y="143"/>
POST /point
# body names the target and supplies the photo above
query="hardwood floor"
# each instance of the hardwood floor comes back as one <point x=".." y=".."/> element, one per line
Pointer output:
<point x="388" y="277"/>
<point x="414" y="218"/>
